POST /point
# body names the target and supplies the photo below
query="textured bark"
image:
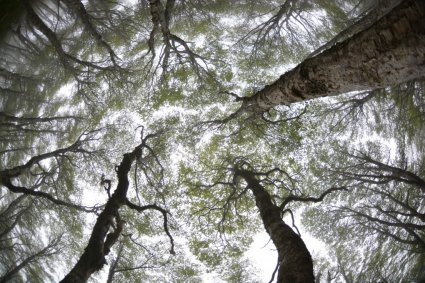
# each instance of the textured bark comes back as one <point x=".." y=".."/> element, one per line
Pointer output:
<point x="389" y="52"/>
<point x="100" y="242"/>
<point x="295" y="261"/>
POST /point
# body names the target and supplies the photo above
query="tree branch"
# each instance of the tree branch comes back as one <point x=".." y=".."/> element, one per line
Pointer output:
<point x="310" y="199"/>
<point x="46" y="251"/>
<point x="164" y="214"/>
<point x="23" y="190"/>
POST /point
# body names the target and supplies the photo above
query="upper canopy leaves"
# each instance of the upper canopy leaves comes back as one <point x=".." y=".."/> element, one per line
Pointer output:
<point x="85" y="84"/>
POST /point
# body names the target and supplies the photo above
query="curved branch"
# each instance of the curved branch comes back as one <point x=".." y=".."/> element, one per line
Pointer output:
<point x="292" y="219"/>
<point x="310" y="199"/>
<point x="18" y="170"/>
<point x="23" y="190"/>
<point x="283" y="120"/>
<point x="161" y="19"/>
<point x="164" y="214"/>
<point x="275" y="271"/>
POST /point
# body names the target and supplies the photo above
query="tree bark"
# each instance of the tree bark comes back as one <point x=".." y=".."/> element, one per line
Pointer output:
<point x="389" y="52"/>
<point x="100" y="242"/>
<point x="296" y="265"/>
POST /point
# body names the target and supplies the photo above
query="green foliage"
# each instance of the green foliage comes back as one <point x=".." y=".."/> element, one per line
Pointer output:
<point x="366" y="228"/>
<point x="109" y="86"/>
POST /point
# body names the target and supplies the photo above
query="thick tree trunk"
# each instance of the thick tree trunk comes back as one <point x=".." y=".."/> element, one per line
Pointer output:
<point x="296" y="265"/>
<point x="390" y="52"/>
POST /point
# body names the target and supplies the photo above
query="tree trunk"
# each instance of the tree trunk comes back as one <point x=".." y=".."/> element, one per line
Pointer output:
<point x="100" y="242"/>
<point x="390" y="52"/>
<point x="295" y="261"/>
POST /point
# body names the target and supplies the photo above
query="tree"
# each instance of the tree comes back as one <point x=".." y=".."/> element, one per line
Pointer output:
<point x="78" y="79"/>
<point x="383" y="206"/>
<point x="100" y="242"/>
<point x="357" y="63"/>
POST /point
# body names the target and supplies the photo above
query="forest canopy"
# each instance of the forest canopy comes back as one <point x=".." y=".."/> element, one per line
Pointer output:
<point x="152" y="140"/>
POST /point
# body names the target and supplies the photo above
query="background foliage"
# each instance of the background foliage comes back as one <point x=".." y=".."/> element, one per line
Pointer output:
<point x="101" y="75"/>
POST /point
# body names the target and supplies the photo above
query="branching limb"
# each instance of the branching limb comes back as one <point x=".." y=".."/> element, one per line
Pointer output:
<point x="74" y="148"/>
<point x="173" y="44"/>
<point x="219" y="123"/>
<point x="164" y="214"/>
<point x="79" y="68"/>
<point x="15" y="212"/>
<point x="140" y="265"/>
<point x="251" y="114"/>
<point x="275" y="270"/>
<point x="38" y="23"/>
<point x="368" y="170"/>
<point x="310" y="199"/>
<point x="85" y="17"/>
<point x="7" y="175"/>
<point x="414" y="212"/>
<point x="293" y="220"/>
<point x="396" y="223"/>
<point x="244" y="108"/>
<point x="23" y="190"/>
<point x="397" y="173"/>
<point x="273" y="25"/>
<point x="237" y="97"/>
<point x="49" y="250"/>
<point x="417" y="242"/>
<point x="351" y="108"/>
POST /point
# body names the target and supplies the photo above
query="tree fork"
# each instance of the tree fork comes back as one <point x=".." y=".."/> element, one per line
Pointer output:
<point x="101" y="240"/>
<point x="93" y="258"/>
